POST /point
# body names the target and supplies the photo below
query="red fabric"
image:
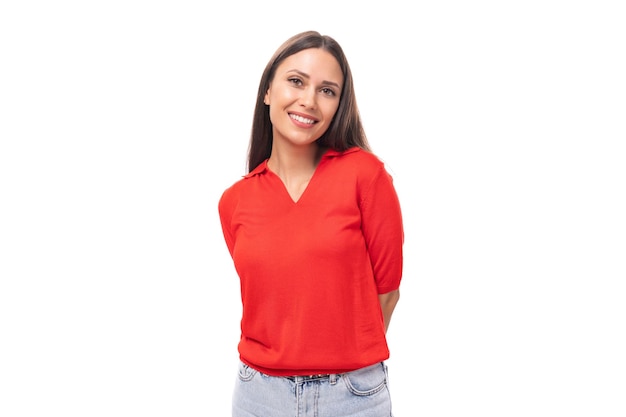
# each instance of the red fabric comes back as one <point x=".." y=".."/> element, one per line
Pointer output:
<point x="311" y="271"/>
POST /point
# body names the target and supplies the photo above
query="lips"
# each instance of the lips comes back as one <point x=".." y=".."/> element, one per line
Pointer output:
<point x="302" y="119"/>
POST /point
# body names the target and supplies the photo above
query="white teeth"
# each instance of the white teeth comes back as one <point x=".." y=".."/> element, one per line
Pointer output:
<point x="301" y="119"/>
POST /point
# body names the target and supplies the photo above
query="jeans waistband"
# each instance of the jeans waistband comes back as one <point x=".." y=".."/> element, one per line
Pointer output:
<point x="318" y="377"/>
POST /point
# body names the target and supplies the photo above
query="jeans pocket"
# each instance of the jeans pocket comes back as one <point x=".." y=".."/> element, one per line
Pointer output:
<point x="246" y="373"/>
<point x="366" y="381"/>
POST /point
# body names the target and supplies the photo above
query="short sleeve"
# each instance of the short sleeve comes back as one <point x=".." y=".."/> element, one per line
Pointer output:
<point x="383" y="231"/>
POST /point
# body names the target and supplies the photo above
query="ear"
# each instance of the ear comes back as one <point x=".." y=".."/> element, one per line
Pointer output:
<point x="266" y="99"/>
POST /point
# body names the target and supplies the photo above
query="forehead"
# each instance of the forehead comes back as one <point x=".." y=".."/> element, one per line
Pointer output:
<point x="314" y="62"/>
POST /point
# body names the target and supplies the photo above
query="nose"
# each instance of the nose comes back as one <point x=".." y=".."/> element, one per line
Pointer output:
<point x="308" y="98"/>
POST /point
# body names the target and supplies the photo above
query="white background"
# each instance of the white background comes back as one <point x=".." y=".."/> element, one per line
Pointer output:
<point x="503" y="124"/>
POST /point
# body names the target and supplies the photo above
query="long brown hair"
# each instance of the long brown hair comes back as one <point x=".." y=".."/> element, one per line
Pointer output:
<point x="345" y="130"/>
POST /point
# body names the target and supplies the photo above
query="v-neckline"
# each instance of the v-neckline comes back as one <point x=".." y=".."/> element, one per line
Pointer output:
<point x="306" y="187"/>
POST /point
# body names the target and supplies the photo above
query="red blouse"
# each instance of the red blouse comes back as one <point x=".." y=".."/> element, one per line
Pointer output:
<point x="311" y="271"/>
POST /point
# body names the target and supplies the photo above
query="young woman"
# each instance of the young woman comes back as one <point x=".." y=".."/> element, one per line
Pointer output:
<point x="315" y="232"/>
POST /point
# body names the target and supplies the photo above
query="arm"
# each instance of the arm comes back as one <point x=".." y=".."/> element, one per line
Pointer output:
<point x="225" y="209"/>
<point x="384" y="236"/>
<point x="388" y="304"/>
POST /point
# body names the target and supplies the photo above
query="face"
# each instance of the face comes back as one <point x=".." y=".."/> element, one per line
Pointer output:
<point x="304" y="96"/>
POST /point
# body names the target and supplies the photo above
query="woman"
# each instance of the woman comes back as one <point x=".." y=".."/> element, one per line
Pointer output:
<point x="315" y="232"/>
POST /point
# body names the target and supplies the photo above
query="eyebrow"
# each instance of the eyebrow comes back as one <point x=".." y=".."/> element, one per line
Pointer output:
<point x="307" y="76"/>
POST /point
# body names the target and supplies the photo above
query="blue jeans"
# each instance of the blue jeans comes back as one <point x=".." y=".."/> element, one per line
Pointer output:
<point x="363" y="393"/>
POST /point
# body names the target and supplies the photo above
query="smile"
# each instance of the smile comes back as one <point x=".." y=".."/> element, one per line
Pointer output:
<point x="301" y="119"/>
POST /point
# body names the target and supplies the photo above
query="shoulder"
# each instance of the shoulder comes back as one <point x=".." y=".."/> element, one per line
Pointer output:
<point x="358" y="168"/>
<point x="233" y="192"/>
<point x="233" y="189"/>
<point x="228" y="199"/>
<point x="359" y="160"/>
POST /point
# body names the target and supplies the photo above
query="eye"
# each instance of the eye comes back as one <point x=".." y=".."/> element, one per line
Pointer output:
<point x="295" y="81"/>
<point x="328" y="91"/>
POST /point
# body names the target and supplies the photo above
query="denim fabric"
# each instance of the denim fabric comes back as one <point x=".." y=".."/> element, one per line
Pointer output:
<point x="363" y="393"/>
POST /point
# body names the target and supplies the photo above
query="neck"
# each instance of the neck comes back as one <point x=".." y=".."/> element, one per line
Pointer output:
<point x="294" y="162"/>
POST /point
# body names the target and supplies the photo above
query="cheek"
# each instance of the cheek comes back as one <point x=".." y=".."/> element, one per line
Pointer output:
<point x="288" y="95"/>
<point x="282" y="95"/>
<point x="330" y="110"/>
